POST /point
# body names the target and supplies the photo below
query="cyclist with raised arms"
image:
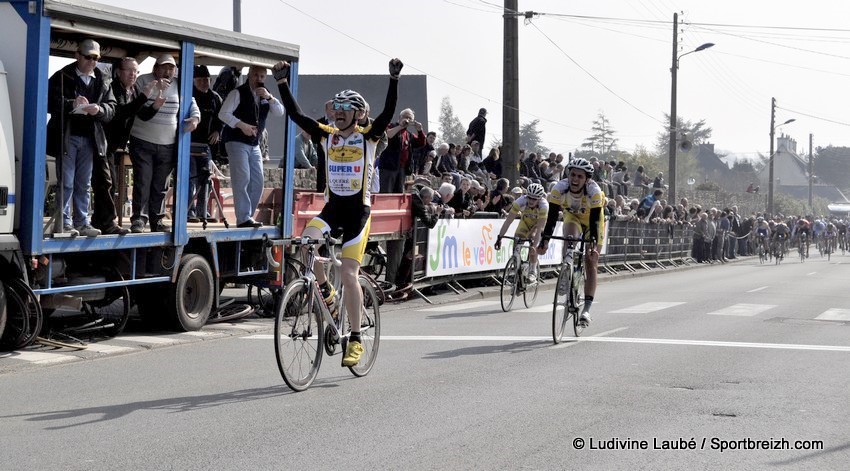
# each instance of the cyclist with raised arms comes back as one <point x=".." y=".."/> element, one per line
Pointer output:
<point x="349" y="167"/>
<point x="533" y="209"/>
<point x="582" y="202"/>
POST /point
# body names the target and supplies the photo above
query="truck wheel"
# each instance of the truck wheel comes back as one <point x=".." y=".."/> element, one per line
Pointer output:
<point x="191" y="297"/>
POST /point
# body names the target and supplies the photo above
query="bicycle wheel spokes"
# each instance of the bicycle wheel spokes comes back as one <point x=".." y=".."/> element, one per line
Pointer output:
<point x="298" y="336"/>
<point x="370" y="329"/>
<point x="577" y="299"/>
<point x="529" y="295"/>
<point x="509" y="284"/>
<point x="560" y="309"/>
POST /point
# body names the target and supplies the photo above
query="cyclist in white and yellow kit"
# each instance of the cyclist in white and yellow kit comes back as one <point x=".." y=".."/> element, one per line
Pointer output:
<point x="582" y="201"/>
<point x="534" y="208"/>
<point x="349" y="167"/>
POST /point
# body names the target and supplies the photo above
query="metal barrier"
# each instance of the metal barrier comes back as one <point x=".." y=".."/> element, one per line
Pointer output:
<point x="631" y="247"/>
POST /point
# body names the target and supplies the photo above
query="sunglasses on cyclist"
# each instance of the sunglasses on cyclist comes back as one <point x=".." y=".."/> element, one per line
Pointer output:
<point x="91" y="57"/>
<point x="343" y="106"/>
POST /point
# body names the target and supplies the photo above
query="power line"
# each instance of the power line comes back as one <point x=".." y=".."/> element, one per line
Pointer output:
<point x="815" y="117"/>
<point x="593" y="76"/>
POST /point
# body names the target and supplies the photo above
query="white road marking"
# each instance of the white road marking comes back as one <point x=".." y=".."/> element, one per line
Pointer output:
<point x="646" y="308"/>
<point x="834" y="315"/>
<point x="104" y="348"/>
<point x="42" y="358"/>
<point x="812" y="273"/>
<point x="146" y="339"/>
<point x="538" y="308"/>
<point x="609" y="332"/>
<point x="757" y="289"/>
<point x="451" y="307"/>
<point x="743" y="310"/>
<point x="505" y="338"/>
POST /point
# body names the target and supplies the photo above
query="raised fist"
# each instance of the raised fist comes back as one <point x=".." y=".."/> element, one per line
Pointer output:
<point x="395" y="67"/>
<point x="281" y="71"/>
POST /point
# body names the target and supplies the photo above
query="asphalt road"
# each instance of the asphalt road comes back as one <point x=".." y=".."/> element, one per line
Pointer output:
<point x="730" y="356"/>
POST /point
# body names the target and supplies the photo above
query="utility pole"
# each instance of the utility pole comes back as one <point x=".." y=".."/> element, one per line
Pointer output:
<point x="671" y="170"/>
<point x="770" y="158"/>
<point x="237" y="16"/>
<point x="510" y="93"/>
<point x="811" y="175"/>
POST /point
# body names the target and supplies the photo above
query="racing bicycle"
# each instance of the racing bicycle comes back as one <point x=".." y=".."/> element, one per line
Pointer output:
<point x="569" y="292"/>
<point x="305" y="328"/>
<point x="515" y="276"/>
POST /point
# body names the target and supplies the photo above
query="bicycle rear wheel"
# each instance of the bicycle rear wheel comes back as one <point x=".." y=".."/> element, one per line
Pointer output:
<point x="577" y="299"/>
<point x="370" y="329"/>
<point x="561" y="307"/>
<point x="298" y="335"/>
<point x="510" y="278"/>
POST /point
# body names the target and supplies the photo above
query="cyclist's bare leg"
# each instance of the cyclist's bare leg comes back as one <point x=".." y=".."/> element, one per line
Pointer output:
<point x="353" y="291"/>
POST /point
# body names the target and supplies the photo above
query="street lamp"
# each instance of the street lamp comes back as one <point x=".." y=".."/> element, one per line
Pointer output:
<point x="770" y="160"/>
<point x="671" y="170"/>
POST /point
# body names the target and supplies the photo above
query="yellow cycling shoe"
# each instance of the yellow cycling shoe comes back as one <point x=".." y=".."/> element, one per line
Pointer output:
<point x="352" y="353"/>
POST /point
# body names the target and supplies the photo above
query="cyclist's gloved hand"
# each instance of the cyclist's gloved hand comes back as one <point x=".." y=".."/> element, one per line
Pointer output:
<point x="281" y="71"/>
<point x="498" y="244"/>
<point x="395" y="68"/>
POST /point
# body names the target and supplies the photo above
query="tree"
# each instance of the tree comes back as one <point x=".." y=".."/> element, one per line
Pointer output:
<point x="602" y="142"/>
<point x="529" y="138"/>
<point x="832" y="165"/>
<point x="451" y="130"/>
<point x="700" y="133"/>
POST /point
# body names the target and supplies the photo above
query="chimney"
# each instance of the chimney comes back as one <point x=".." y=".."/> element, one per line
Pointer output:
<point x="786" y="143"/>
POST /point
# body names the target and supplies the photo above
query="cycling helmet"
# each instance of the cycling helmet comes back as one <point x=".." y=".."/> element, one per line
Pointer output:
<point x="581" y="164"/>
<point x="350" y="96"/>
<point x="760" y="219"/>
<point x="535" y="190"/>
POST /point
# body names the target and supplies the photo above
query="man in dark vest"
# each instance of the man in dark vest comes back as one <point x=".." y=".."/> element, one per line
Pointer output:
<point x="244" y="114"/>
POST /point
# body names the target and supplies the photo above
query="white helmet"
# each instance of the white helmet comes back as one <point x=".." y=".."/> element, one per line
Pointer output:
<point x="350" y="96"/>
<point x="536" y="191"/>
<point x="581" y="164"/>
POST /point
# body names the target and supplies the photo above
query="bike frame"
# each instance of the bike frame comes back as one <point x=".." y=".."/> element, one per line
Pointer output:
<point x="309" y="278"/>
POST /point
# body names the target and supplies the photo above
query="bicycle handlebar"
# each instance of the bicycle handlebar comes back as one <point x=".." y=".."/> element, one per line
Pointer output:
<point x="327" y="240"/>
<point x="568" y="238"/>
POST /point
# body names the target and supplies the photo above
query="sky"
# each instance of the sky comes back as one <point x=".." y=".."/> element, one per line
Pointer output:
<point x="580" y="58"/>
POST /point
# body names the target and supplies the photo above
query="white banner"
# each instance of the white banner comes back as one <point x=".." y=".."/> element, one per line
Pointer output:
<point x="466" y="246"/>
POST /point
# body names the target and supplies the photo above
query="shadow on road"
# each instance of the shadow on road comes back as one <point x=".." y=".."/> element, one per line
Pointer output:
<point x="812" y="455"/>
<point x="178" y="404"/>
<point x="518" y="347"/>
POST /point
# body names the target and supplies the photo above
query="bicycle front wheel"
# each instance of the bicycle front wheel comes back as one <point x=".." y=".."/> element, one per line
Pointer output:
<point x="529" y="295"/>
<point x="370" y="329"/>
<point x="510" y="278"/>
<point x="577" y="299"/>
<point x="298" y="335"/>
<point x="561" y="307"/>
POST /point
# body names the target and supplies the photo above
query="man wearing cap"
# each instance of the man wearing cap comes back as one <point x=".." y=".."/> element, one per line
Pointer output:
<point x="205" y="138"/>
<point x="477" y="128"/>
<point x="153" y="144"/>
<point x="80" y="102"/>
<point x="244" y="113"/>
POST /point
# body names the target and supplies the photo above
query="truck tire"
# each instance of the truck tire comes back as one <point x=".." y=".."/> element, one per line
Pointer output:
<point x="2" y="308"/>
<point x="191" y="297"/>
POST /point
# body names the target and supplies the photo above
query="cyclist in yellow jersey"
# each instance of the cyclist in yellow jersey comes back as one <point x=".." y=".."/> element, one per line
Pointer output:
<point x="349" y="167"/>
<point x="582" y="202"/>
<point x="533" y="208"/>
